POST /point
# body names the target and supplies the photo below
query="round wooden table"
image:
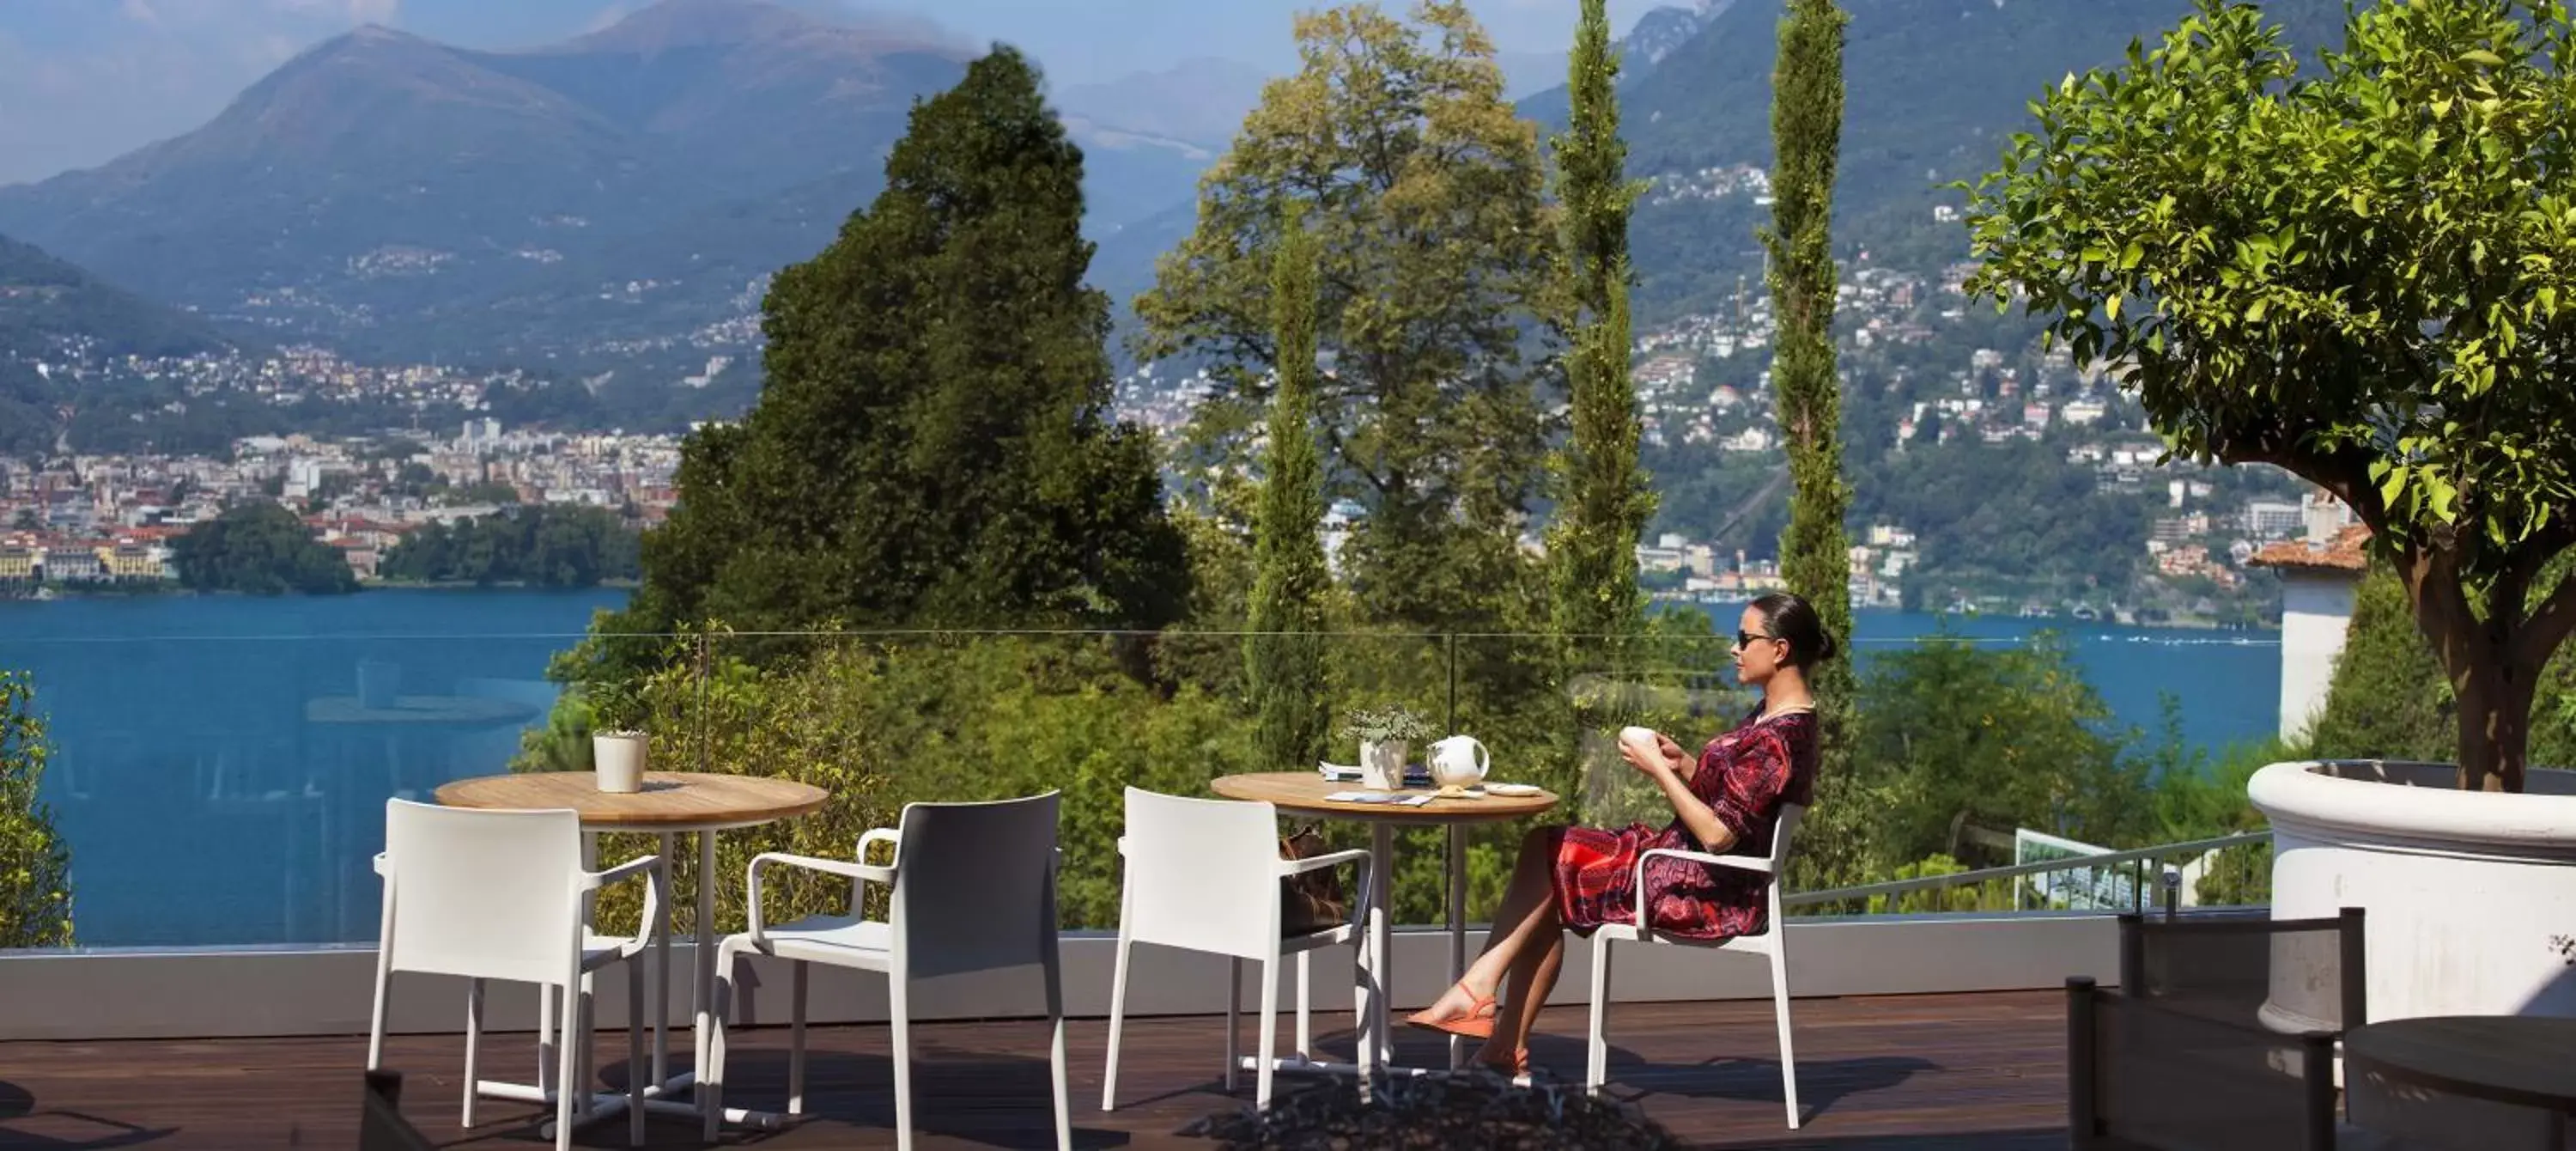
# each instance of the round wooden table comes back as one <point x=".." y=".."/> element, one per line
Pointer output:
<point x="2526" y="1061"/>
<point x="670" y="802"/>
<point x="1309" y="793"/>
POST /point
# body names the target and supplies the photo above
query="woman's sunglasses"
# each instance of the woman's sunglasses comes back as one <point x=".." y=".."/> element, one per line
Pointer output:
<point x="1746" y="639"/>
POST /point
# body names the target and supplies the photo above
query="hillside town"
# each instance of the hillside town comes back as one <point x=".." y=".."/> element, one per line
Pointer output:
<point x="90" y="522"/>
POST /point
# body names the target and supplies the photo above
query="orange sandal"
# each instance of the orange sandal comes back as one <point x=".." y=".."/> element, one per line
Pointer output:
<point x="1477" y="1023"/>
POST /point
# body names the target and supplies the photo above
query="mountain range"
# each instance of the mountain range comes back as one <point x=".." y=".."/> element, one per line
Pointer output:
<point x="404" y="198"/>
<point x="585" y="203"/>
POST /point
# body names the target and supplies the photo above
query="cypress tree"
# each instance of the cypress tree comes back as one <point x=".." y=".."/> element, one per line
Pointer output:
<point x="932" y="445"/>
<point x="1285" y="657"/>
<point x="1815" y="555"/>
<point x="1592" y="545"/>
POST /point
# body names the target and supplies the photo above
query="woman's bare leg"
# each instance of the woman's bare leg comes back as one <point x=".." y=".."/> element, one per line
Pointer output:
<point x="1528" y="908"/>
<point x="1529" y="982"/>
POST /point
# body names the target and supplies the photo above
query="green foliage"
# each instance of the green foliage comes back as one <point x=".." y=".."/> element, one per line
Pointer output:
<point x="260" y="548"/>
<point x="1592" y="542"/>
<point x="545" y="546"/>
<point x="1284" y="655"/>
<point x="881" y="723"/>
<point x="35" y="863"/>
<point x="1425" y="193"/>
<point x="932" y="445"/>
<point x="1815" y="552"/>
<point x="2013" y="518"/>
<point x="2389" y="699"/>
<point x="1991" y="895"/>
<point x="2356" y="275"/>
<point x="1385" y="724"/>
<point x="1964" y="738"/>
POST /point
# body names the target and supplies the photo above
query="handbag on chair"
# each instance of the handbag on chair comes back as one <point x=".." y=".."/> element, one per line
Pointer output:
<point x="1313" y="901"/>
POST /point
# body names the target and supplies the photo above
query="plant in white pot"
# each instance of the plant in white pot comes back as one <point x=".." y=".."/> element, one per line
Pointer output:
<point x="1386" y="735"/>
<point x="2373" y="292"/>
<point x="617" y="739"/>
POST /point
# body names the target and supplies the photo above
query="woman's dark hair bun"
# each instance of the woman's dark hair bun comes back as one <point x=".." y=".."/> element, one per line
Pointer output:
<point x="1788" y="616"/>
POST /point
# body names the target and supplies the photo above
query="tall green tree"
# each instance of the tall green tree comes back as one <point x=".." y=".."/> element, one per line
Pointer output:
<point x="260" y="548"/>
<point x="1426" y="194"/>
<point x="1592" y="546"/>
<point x="35" y="864"/>
<point x="2363" y="273"/>
<point x="1815" y="552"/>
<point x="1285" y="658"/>
<point x="932" y="444"/>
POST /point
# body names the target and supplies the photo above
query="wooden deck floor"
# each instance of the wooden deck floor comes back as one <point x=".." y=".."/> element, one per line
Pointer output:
<point x="1918" y="1073"/>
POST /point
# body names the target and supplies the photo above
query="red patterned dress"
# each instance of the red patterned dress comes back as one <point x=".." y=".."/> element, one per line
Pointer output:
<point x="1743" y="776"/>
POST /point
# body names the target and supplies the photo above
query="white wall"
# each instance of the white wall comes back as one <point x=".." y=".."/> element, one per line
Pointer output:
<point x="2316" y="611"/>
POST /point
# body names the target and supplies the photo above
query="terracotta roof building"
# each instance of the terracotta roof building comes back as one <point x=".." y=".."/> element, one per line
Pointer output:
<point x="2342" y="552"/>
<point x="2318" y="577"/>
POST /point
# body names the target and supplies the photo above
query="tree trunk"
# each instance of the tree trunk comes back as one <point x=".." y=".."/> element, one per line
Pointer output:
<point x="2495" y="723"/>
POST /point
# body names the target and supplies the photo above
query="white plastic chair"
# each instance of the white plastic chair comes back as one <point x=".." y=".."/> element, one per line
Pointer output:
<point x="1770" y="944"/>
<point x="1203" y="875"/>
<point x="973" y="890"/>
<point x="505" y="895"/>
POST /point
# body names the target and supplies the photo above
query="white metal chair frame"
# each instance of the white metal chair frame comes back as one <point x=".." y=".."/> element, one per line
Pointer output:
<point x="806" y="942"/>
<point x="1770" y="944"/>
<point x="564" y="1053"/>
<point x="1267" y="950"/>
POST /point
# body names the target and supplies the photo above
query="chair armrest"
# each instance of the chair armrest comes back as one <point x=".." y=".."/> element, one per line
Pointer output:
<point x="1356" y="855"/>
<point x="654" y="872"/>
<point x="1739" y="862"/>
<point x="862" y="872"/>
<point x="1288" y="867"/>
<point x="648" y="866"/>
<point x="885" y="835"/>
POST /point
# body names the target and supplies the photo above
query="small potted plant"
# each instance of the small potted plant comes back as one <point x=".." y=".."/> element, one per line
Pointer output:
<point x="617" y="740"/>
<point x="1385" y="735"/>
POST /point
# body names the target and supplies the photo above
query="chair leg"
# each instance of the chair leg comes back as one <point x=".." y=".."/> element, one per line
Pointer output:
<point x="473" y="1046"/>
<point x="1788" y="1057"/>
<point x="637" y="1070"/>
<point x="376" y="1021"/>
<point x="547" y="1048"/>
<point x="900" y="1011"/>
<point x="1305" y="991"/>
<point x="1055" y="1053"/>
<point x="1117" y="1019"/>
<point x="1596" y="1069"/>
<point x="584" y="1024"/>
<point x="796" y="1038"/>
<point x="1233" y="1009"/>
<point x="568" y="1057"/>
<point x="1269" y="1033"/>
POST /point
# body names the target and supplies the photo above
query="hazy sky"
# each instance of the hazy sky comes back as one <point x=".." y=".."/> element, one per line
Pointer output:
<point x="83" y="81"/>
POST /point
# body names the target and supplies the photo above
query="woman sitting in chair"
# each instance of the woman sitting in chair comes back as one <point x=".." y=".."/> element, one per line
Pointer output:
<point x="1724" y="802"/>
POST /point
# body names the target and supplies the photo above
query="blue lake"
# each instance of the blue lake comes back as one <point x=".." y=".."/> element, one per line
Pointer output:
<point x="221" y="763"/>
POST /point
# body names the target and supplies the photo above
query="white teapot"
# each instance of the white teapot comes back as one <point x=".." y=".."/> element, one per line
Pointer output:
<point x="1458" y="761"/>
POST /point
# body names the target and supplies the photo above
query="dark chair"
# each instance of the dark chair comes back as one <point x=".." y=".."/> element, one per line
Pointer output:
<point x="2201" y="1049"/>
<point x="381" y="1127"/>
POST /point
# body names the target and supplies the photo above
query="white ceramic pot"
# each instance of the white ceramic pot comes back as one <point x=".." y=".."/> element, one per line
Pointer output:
<point x="2463" y="892"/>
<point x="1382" y="764"/>
<point x="618" y="758"/>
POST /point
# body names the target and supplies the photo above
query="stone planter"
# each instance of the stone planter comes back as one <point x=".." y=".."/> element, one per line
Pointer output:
<point x="2463" y="892"/>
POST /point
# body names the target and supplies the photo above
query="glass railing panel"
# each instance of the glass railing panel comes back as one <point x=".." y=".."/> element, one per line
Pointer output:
<point x="230" y="789"/>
